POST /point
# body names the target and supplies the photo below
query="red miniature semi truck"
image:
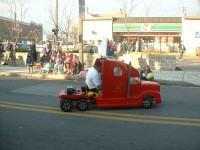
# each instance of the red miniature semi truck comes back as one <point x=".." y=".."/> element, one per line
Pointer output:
<point x="121" y="87"/>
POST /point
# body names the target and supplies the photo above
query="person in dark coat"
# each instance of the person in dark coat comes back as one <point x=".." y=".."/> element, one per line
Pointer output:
<point x="44" y="59"/>
<point x="31" y="58"/>
<point x="1" y="49"/>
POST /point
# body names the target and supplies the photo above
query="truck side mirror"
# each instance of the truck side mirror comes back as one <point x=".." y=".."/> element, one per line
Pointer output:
<point x="134" y="80"/>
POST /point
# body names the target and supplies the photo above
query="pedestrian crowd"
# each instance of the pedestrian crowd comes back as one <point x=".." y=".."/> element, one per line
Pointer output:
<point x="6" y="50"/>
<point x="56" y="62"/>
<point x="51" y="61"/>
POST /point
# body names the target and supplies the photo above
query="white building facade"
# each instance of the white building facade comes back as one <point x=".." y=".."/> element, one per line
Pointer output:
<point x="191" y="33"/>
<point x="96" y="29"/>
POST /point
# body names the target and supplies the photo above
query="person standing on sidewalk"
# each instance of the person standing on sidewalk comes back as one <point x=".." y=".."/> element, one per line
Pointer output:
<point x="1" y="49"/>
<point x="8" y="53"/>
<point x="181" y="50"/>
<point x="31" y="58"/>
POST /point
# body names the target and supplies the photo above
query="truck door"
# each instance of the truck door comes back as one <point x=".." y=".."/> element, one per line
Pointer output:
<point x="114" y="79"/>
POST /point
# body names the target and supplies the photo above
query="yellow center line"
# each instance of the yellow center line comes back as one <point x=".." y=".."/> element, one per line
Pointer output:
<point x="146" y="117"/>
<point x="104" y="115"/>
<point x="27" y="105"/>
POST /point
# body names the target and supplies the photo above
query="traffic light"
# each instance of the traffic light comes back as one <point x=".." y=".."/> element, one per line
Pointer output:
<point x="55" y="31"/>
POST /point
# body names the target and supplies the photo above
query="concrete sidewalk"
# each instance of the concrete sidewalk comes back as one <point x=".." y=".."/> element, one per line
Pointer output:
<point x="165" y="77"/>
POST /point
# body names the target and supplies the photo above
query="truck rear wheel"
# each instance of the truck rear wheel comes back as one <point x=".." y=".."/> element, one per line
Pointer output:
<point x="66" y="105"/>
<point x="147" y="102"/>
<point x="82" y="105"/>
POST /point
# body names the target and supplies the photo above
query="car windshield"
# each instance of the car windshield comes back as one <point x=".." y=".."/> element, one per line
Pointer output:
<point x="90" y="47"/>
<point x="69" y="43"/>
<point x="21" y="45"/>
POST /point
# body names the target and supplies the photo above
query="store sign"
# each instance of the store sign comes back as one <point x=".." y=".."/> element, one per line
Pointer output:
<point x="150" y="33"/>
<point x="145" y="27"/>
<point x="197" y="34"/>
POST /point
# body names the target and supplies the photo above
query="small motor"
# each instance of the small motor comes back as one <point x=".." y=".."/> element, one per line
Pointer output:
<point x="71" y="91"/>
<point x="84" y="89"/>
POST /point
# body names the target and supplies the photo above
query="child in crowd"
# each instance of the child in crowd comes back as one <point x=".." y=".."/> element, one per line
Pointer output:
<point x="58" y="66"/>
<point x="48" y="67"/>
<point x="44" y="59"/>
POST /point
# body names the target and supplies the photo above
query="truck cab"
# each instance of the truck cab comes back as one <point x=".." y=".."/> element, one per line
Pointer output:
<point x="123" y="87"/>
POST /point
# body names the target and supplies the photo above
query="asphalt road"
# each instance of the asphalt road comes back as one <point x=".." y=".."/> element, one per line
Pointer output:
<point x="32" y="119"/>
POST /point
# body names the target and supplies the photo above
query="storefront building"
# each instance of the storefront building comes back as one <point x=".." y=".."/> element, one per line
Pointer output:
<point x="149" y="33"/>
<point x="161" y="34"/>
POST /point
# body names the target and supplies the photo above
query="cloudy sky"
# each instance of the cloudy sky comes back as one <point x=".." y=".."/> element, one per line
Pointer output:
<point x="39" y="9"/>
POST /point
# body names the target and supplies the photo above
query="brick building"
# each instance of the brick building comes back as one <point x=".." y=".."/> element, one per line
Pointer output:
<point x="20" y="31"/>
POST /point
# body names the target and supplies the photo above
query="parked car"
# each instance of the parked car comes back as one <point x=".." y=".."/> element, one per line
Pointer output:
<point x="88" y="48"/>
<point x="69" y="45"/>
<point x="40" y="48"/>
<point x="23" y="46"/>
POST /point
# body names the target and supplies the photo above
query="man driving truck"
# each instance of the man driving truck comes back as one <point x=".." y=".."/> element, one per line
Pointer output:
<point x="93" y="77"/>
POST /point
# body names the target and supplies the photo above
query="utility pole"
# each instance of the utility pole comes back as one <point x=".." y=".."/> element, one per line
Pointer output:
<point x="15" y="26"/>
<point x="81" y="17"/>
<point x="57" y="19"/>
<point x="55" y="29"/>
<point x="183" y="10"/>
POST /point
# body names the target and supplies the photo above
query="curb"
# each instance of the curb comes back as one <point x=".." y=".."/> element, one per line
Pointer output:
<point x="75" y="77"/>
<point x="39" y="76"/>
<point x="176" y="83"/>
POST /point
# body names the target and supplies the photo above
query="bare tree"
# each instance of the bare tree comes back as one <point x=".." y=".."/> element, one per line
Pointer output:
<point x="73" y="34"/>
<point x="16" y="8"/>
<point x="66" y="16"/>
<point x="128" y="7"/>
<point x="51" y="11"/>
<point x="67" y="20"/>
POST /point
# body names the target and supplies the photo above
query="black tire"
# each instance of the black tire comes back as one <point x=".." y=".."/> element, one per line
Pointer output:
<point x="82" y="105"/>
<point x="66" y="105"/>
<point x="147" y="102"/>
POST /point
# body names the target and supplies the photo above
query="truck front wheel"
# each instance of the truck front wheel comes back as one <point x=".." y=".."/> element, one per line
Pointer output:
<point x="147" y="102"/>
